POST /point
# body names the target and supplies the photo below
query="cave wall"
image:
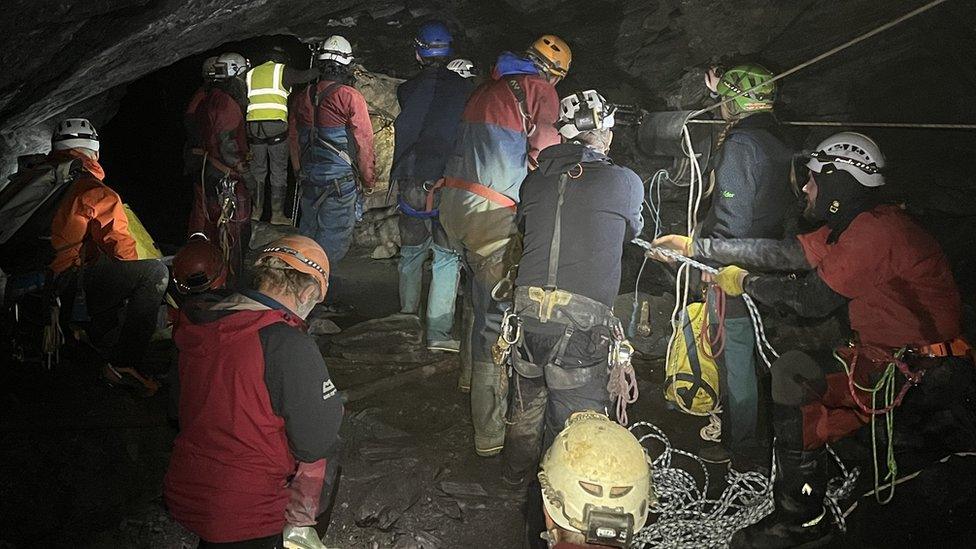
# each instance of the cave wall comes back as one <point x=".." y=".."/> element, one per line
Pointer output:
<point x="66" y="58"/>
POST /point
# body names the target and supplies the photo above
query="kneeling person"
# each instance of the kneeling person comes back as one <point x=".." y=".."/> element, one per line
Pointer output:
<point x="259" y="414"/>
<point x="575" y="211"/>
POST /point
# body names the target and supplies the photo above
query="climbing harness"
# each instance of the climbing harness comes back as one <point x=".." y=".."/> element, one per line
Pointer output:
<point x="687" y="518"/>
<point x="885" y="387"/>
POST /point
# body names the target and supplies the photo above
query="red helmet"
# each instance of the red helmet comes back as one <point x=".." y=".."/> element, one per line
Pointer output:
<point x="199" y="266"/>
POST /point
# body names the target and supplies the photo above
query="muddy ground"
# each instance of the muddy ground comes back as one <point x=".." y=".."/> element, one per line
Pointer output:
<point x="81" y="464"/>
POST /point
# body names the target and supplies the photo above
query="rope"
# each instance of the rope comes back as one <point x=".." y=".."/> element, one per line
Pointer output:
<point x="837" y="124"/>
<point x="766" y="351"/>
<point x="623" y="389"/>
<point x="687" y="518"/>
<point x="826" y="54"/>
<point x="886" y="387"/>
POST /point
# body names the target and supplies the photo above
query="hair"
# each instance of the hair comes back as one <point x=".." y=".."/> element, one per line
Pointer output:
<point x="598" y="139"/>
<point x="271" y="272"/>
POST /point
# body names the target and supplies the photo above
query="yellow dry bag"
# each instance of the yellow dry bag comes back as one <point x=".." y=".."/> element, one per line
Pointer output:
<point x="692" y="374"/>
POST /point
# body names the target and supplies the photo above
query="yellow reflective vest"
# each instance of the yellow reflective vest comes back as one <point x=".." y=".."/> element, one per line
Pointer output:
<point x="267" y="97"/>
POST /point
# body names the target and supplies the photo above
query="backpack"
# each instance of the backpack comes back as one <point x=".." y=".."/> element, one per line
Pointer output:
<point x="27" y="206"/>
<point x="691" y="372"/>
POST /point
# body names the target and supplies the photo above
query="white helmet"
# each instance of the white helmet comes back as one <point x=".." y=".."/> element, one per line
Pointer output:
<point x="229" y="65"/>
<point x="463" y="67"/>
<point x="584" y="111"/>
<point x="852" y="152"/>
<point x="209" y="68"/>
<point x="73" y="133"/>
<point x="335" y="48"/>
<point x="596" y="480"/>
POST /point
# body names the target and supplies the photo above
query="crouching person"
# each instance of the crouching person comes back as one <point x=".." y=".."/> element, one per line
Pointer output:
<point x="254" y="463"/>
<point x="596" y="485"/>
<point x="96" y="256"/>
<point x="902" y="303"/>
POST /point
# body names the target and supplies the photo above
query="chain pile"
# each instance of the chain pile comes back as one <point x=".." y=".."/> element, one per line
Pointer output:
<point x="687" y="518"/>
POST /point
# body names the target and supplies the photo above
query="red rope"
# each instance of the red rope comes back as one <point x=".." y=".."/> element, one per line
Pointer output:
<point x="911" y="378"/>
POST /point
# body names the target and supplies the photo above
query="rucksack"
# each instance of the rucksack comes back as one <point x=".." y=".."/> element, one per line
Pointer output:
<point x="27" y="206"/>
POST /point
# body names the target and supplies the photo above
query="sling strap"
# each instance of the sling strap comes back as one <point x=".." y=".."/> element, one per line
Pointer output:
<point x="482" y="191"/>
<point x="556" y="236"/>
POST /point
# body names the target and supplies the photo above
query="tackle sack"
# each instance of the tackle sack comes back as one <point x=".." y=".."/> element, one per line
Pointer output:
<point x="692" y="374"/>
<point x="146" y="247"/>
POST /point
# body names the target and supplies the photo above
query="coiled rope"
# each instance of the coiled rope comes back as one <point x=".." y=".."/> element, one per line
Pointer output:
<point x="687" y="518"/>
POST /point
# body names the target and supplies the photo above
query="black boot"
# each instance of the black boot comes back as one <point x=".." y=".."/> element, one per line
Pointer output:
<point x="799" y="518"/>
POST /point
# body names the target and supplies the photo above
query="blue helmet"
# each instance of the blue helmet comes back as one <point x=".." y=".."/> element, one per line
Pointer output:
<point x="434" y="40"/>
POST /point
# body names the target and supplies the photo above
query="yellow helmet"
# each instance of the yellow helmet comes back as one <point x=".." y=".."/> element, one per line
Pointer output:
<point x="553" y="53"/>
<point x="596" y="480"/>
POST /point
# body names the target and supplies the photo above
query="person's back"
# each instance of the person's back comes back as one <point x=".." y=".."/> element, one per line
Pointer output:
<point x="340" y="118"/>
<point x="431" y="104"/>
<point x="600" y="212"/>
<point x="220" y="120"/>
<point x="495" y="143"/>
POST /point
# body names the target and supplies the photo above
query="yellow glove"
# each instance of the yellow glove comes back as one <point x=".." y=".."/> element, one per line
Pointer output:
<point x="675" y="242"/>
<point x="731" y="279"/>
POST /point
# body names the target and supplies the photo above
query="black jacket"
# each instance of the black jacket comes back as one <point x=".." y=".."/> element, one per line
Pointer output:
<point x="600" y="212"/>
<point x="431" y="104"/>
<point x="752" y="195"/>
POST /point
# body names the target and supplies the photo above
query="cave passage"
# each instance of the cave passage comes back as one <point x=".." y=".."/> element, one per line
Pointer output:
<point x="85" y="456"/>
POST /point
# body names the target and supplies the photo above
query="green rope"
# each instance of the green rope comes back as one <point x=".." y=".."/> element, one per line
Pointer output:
<point x="886" y="386"/>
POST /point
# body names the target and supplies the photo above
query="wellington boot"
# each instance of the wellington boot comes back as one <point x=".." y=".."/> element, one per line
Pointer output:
<point x="800" y="518"/>
<point x="278" y="208"/>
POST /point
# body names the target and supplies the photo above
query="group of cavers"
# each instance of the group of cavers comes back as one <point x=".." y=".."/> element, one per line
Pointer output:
<point x="514" y="185"/>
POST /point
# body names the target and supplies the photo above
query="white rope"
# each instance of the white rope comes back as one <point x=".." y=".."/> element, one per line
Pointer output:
<point x="687" y="518"/>
<point x="840" y="124"/>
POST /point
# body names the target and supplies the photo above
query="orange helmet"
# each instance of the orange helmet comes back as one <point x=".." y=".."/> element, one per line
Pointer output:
<point x="304" y="255"/>
<point x="553" y="53"/>
<point x="199" y="266"/>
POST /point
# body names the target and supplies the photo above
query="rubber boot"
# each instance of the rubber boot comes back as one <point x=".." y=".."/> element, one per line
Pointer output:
<point x="278" y="207"/>
<point x="257" y="202"/>
<point x="799" y="518"/>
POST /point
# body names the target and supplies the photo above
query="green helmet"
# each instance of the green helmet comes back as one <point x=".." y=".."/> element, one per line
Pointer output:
<point x="744" y="77"/>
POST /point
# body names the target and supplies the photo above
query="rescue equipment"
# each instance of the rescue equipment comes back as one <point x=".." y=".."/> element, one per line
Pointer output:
<point x="146" y="247"/>
<point x="691" y="372"/>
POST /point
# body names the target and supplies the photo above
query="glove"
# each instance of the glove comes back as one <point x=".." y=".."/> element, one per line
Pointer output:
<point x="302" y="537"/>
<point x="731" y="279"/>
<point x="675" y="242"/>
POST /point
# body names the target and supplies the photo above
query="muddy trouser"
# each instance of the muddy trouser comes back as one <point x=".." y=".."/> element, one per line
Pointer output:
<point x="420" y="233"/>
<point x="328" y="216"/>
<point x="268" y="140"/>
<point x="123" y="299"/>
<point x="567" y="373"/>
<point x="480" y="230"/>
<point x="813" y="405"/>
<point x="739" y="383"/>
<point x="467" y="327"/>
<point x="204" y="217"/>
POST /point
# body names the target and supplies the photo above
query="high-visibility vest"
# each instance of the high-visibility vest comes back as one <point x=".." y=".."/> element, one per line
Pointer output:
<point x="267" y="97"/>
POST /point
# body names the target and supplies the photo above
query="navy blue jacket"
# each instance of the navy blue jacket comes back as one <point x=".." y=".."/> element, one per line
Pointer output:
<point x="752" y="193"/>
<point x="601" y="211"/>
<point x="431" y="104"/>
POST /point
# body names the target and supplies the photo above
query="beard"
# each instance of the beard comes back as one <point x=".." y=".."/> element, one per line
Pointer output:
<point x="809" y="210"/>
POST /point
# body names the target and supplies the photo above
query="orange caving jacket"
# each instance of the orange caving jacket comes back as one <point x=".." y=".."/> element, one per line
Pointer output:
<point x="90" y="219"/>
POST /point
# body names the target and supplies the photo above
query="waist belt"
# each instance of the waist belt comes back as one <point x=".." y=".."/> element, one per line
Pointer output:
<point x="476" y="188"/>
<point x="562" y="307"/>
<point x="956" y="347"/>
<point x="220" y="166"/>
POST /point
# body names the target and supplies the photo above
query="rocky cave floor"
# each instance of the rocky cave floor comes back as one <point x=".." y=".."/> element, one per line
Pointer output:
<point x="82" y="464"/>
